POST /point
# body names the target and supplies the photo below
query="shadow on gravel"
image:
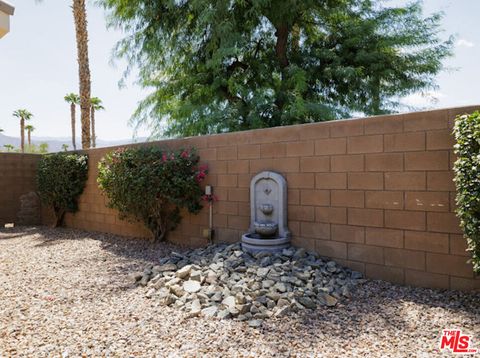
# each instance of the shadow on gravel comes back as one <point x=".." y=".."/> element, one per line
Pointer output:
<point x="382" y="304"/>
<point x="378" y="305"/>
<point x="134" y="253"/>
<point x="16" y="232"/>
<point x="374" y="301"/>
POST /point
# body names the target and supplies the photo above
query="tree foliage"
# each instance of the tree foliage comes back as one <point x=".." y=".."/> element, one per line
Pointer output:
<point x="467" y="181"/>
<point x="230" y="65"/>
<point x="23" y="115"/>
<point x="73" y="99"/>
<point x="96" y="105"/>
<point x="61" y="179"/>
<point x="152" y="185"/>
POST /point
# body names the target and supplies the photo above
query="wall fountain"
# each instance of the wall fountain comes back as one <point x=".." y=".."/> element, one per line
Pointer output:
<point x="268" y="219"/>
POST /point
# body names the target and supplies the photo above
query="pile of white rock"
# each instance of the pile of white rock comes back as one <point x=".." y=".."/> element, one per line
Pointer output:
<point x="223" y="281"/>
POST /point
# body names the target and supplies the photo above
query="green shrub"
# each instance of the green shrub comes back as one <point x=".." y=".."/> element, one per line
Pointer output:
<point x="60" y="180"/>
<point x="151" y="185"/>
<point x="467" y="180"/>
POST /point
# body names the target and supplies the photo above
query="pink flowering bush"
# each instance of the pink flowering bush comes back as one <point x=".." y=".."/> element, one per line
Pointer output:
<point x="152" y="185"/>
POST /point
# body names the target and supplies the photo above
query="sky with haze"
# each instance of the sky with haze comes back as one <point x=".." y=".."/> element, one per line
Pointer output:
<point x="38" y="67"/>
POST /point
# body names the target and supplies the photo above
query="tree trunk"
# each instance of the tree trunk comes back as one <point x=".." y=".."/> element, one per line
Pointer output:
<point x="72" y="116"/>
<point x="29" y="139"/>
<point x="80" y="16"/>
<point x="281" y="46"/>
<point x="59" y="215"/>
<point x="376" y="97"/>
<point x="22" y="134"/>
<point x="94" y="139"/>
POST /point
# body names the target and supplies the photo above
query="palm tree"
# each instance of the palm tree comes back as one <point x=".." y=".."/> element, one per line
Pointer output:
<point x="73" y="99"/>
<point x="9" y="147"/>
<point x="81" y="34"/>
<point x="65" y="147"/>
<point x="43" y="148"/>
<point x="29" y="129"/>
<point x="96" y="105"/>
<point x="24" y="115"/>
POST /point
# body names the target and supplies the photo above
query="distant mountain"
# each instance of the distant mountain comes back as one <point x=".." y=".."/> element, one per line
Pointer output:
<point x="55" y="143"/>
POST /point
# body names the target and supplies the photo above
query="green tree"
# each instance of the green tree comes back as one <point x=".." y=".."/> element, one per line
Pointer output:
<point x="73" y="99"/>
<point x="152" y="185"/>
<point x="29" y="128"/>
<point x="24" y="115"/>
<point x="61" y="178"/>
<point x="9" y="147"/>
<point x="81" y="34"/>
<point x="43" y="148"/>
<point x="233" y="65"/>
<point x="467" y="181"/>
<point x="96" y="105"/>
<point x="64" y="147"/>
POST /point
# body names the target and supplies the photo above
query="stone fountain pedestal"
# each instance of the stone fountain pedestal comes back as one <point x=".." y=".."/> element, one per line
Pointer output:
<point x="268" y="219"/>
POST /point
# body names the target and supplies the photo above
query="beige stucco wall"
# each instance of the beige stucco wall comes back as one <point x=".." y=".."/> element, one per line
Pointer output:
<point x="4" y="24"/>
<point x="375" y="194"/>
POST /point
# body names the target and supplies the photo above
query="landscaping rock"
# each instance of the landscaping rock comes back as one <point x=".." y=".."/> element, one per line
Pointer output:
<point x="184" y="271"/>
<point x="192" y="286"/>
<point x="224" y="282"/>
<point x="210" y="311"/>
<point x="166" y="267"/>
<point x="327" y="300"/>
<point x="255" y="323"/>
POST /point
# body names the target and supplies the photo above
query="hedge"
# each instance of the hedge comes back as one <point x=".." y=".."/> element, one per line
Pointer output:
<point x="467" y="181"/>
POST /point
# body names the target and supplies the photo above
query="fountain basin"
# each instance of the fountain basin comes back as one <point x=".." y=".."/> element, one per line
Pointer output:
<point x="267" y="209"/>
<point x="254" y="243"/>
<point x="267" y="228"/>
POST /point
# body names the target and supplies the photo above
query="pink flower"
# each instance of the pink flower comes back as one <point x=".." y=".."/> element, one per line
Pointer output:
<point x="200" y="176"/>
<point x="164" y="157"/>
<point x="184" y="154"/>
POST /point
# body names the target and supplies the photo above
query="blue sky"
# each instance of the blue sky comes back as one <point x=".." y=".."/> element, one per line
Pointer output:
<point x="38" y="67"/>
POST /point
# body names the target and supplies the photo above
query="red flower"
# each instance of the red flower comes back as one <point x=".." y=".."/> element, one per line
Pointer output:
<point x="184" y="154"/>
<point x="200" y="176"/>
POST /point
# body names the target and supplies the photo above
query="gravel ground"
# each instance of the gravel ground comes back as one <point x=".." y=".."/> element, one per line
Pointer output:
<point x="67" y="292"/>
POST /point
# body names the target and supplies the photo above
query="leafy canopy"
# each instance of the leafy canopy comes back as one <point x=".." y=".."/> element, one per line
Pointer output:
<point x="152" y="185"/>
<point x="22" y="114"/>
<point x="72" y="98"/>
<point x="227" y="65"/>
<point x="61" y="179"/>
<point x="467" y="181"/>
<point x="96" y="103"/>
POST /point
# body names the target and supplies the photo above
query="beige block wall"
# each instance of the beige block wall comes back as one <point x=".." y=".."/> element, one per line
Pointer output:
<point x="17" y="177"/>
<point x="376" y="194"/>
